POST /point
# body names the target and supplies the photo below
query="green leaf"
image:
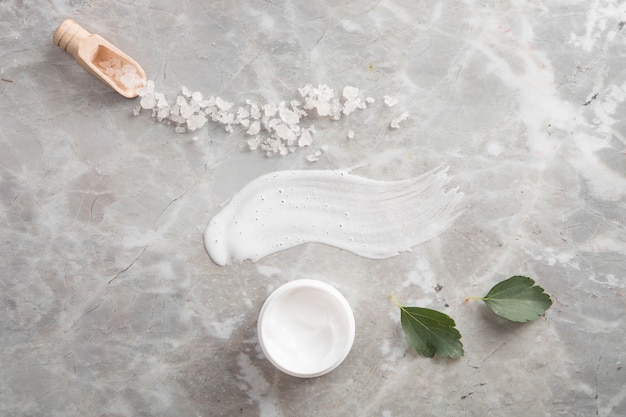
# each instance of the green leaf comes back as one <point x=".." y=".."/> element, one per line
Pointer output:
<point x="431" y="332"/>
<point x="518" y="299"/>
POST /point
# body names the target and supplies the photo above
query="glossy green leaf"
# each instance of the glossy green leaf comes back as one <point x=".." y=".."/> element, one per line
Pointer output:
<point x="518" y="299"/>
<point x="431" y="332"/>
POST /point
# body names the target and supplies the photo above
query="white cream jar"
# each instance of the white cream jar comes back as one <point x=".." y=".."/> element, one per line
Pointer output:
<point x="306" y="328"/>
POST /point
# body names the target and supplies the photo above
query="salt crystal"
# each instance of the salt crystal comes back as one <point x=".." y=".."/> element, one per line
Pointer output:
<point x="253" y="144"/>
<point x="283" y="132"/>
<point x="146" y="89"/>
<point x="185" y="91"/>
<point x="197" y="96"/>
<point x="161" y="100"/>
<point x="322" y="108"/>
<point x="180" y="129"/>
<point x="269" y="109"/>
<point x="255" y="111"/>
<point x="370" y="100"/>
<point x="306" y="90"/>
<point x="314" y="157"/>
<point x="136" y="110"/>
<point x="255" y="128"/>
<point x="271" y="123"/>
<point x="288" y="116"/>
<point x="223" y="105"/>
<point x="148" y="102"/>
<point x="129" y="69"/>
<point x="185" y="109"/>
<point x="349" y="107"/>
<point x="390" y="101"/>
<point x="163" y="113"/>
<point x="350" y="93"/>
<point x="350" y="134"/>
<point x="305" y="138"/>
<point x="196" y="121"/>
<point x="395" y="123"/>
<point x="131" y="80"/>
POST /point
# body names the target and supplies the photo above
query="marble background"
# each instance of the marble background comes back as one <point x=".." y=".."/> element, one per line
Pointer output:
<point x="111" y="307"/>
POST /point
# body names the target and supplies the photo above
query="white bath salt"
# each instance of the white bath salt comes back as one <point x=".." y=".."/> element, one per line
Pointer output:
<point x="136" y="110"/>
<point x="254" y="129"/>
<point x="147" y="102"/>
<point x="305" y="138"/>
<point x="125" y="74"/>
<point x="390" y="101"/>
<point x="290" y="116"/>
<point x="314" y="157"/>
<point x="196" y="121"/>
<point x="276" y="128"/>
<point x="162" y="113"/>
<point x="197" y="96"/>
<point x="195" y="139"/>
<point x="322" y="99"/>
<point x="269" y="110"/>
<point x="350" y="134"/>
<point x="161" y="100"/>
<point x="206" y="103"/>
<point x="395" y="123"/>
<point x="350" y="93"/>
<point x="255" y="111"/>
<point x="352" y="100"/>
<point x="129" y="77"/>
<point x="283" y="132"/>
<point x="186" y="110"/>
<point x="253" y="144"/>
<point x="370" y="218"/>
<point x="243" y="117"/>
<point x="225" y="118"/>
<point x="223" y="105"/>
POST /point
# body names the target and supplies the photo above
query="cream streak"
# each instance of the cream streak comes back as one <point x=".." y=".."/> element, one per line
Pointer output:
<point x="373" y="219"/>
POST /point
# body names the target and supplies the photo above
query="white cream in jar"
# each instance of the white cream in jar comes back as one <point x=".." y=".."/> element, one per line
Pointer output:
<point x="306" y="328"/>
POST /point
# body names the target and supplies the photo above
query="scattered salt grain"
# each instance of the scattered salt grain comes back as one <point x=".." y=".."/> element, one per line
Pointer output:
<point x="196" y="121"/>
<point x="390" y="101"/>
<point x="350" y="134"/>
<point x="255" y="128"/>
<point x="395" y="123"/>
<point x="223" y="105"/>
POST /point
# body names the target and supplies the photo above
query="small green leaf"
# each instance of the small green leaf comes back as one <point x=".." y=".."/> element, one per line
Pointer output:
<point x="518" y="299"/>
<point x="431" y="332"/>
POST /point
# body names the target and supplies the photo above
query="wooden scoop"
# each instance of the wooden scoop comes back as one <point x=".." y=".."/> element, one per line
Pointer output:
<point x="101" y="58"/>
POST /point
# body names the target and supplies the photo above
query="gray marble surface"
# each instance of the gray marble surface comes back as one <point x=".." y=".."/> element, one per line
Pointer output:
<point x="110" y="305"/>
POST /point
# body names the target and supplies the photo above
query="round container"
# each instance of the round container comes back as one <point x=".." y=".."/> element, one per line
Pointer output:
<point x="306" y="328"/>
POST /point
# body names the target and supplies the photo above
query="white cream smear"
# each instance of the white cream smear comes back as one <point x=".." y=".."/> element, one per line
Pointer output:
<point x="371" y="218"/>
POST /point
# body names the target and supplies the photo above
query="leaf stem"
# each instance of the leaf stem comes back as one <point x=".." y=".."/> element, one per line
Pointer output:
<point x="395" y="300"/>
<point x="473" y="297"/>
